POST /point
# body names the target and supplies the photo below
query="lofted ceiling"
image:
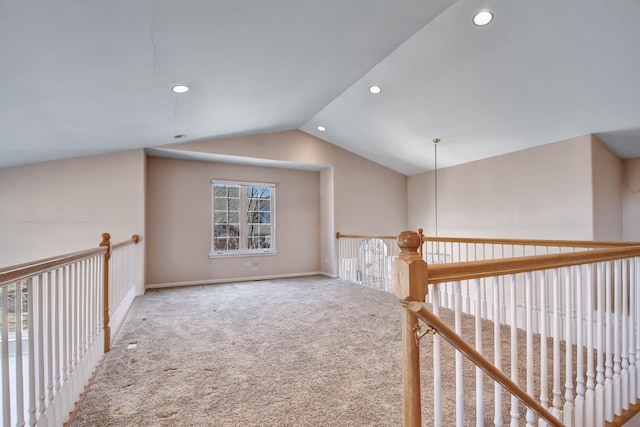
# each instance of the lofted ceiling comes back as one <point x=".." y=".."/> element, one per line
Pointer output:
<point x="86" y="77"/>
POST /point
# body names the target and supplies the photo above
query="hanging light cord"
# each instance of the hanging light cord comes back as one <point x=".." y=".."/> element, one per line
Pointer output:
<point x="435" y="179"/>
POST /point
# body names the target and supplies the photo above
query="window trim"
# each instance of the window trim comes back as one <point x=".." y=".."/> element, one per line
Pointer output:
<point x="243" y="252"/>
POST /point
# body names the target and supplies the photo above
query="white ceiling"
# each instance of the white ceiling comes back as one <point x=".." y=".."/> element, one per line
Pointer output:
<point x="86" y="76"/>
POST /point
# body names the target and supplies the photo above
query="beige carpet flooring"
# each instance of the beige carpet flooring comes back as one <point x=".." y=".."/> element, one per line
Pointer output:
<point x="294" y="352"/>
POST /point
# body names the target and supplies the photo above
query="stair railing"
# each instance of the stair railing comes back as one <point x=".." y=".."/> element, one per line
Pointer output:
<point x="587" y="306"/>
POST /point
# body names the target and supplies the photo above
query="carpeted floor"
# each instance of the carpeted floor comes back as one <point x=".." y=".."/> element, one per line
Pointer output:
<point x="294" y="352"/>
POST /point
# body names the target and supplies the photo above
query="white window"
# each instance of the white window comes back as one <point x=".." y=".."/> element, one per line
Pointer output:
<point x="243" y="218"/>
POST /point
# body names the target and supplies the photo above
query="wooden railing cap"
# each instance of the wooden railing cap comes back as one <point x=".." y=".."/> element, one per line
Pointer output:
<point x="409" y="241"/>
<point x="106" y="239"/>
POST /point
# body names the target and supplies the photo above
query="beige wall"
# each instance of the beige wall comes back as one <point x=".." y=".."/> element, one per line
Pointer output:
<point x="57" y="207"/>
<point x="369" y="199"/>
<point x="357" y="195"/>
<point x="542" y="192"/>
<point x="179" y="222"/>
<point x="327" y="223"/>
<point x="607" y="192"/>
<point x="631" y="199"/>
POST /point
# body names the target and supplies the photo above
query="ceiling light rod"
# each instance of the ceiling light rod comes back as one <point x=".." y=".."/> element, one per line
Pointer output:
<point x="435" y="180"/>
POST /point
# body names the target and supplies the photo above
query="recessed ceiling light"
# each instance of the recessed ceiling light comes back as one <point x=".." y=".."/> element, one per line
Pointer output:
<point x="375" y="89"/>
<point x="321" y="128"/>
<point x="180" y="89"/>
<point x="482" y="18"/>
<point x="179" y="136"/>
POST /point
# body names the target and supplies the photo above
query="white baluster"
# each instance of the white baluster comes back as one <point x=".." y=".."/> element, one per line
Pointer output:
<point x="580" y="391"/>
<point x="600" y="340"/>
<point x="459" y="373"/>
<point x="452" y="294"/>
<point x="637" y="325"/>
<point x="557" y="401"/>
<point x="41" y="349"/>
<point x="83" y="312"/>
<point x="608" y="362"/>
<point x="19" y="357"/>
<point x="444" y="294"/>
<point x="529" y="331"/>
<point x="617" y="307"/>
<point x="497" y="351"/>
<point x="50" y="407"/>
<point x="6" y="386"/>
<point x="479" y="385"/>
<point x="544" y="334"/>
<point x="515" y="414"/>
<point x="73" y="335"/>
<point x="503" y="302"/>
<point x="568" y="386"/>
<point x="350" y="267"/>
<point x="79" y="337"/>
<point x="485" y="314"/>
<point x="65" y="305"/>
<point x="536" y="305"/>
<point x="589" y="404"/>
<point x="631" y="331"/>
<point x="32" y="350"/>
<point x="57" y="352"/>
<point x="437" y="374"/>
<point x="624" y="318"/>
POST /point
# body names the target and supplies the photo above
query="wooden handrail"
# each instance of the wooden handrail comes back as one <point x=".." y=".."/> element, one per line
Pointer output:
<point x="442" y="273"/>
<point x="516" y="242"/>
<point x="22" y="271"/>
<point x="533" y="242"/>
<point x="135" y="239"/>
<point x="477" y="359"/>
<point x="356" y="236"/>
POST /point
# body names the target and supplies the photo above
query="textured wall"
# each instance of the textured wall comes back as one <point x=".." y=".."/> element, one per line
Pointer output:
<point x="57" y="207"/>
<point x="542" y="192"/>
<point x="607" y="192"/>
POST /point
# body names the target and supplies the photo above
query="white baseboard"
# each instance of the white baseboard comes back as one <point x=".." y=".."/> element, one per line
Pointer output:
<point x="120" y="313"/>
<point x="236" y="279"/>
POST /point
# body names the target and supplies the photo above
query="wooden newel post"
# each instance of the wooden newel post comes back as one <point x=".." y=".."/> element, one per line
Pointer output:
<point x="410" y="284"/>
<point x="106" y="241"/>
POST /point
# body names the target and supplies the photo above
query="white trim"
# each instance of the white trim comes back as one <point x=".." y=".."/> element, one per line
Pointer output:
<point x="245" y="253"/>
<point x="246" y="183"/>
<point x="243" y="238"/>
<point x="119" y="315"/>
<point x="235" y="279"/>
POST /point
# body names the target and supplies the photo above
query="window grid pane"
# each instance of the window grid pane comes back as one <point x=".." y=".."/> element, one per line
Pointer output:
<point x="258" y="213"/>
<point x="226" y="217"/>
<point x="236" y="204"/>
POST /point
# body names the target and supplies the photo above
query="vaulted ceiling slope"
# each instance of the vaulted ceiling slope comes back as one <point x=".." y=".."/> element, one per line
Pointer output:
<point x="86" y="77"/>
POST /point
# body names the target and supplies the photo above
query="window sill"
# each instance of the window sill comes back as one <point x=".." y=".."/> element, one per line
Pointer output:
<point x="241" y="254"/>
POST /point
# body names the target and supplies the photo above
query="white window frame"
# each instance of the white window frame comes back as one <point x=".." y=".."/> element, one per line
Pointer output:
<point x="243" y="251"/>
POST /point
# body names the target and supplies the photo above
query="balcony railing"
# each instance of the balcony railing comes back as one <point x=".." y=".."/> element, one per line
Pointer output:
<point x="55" y="328"/>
